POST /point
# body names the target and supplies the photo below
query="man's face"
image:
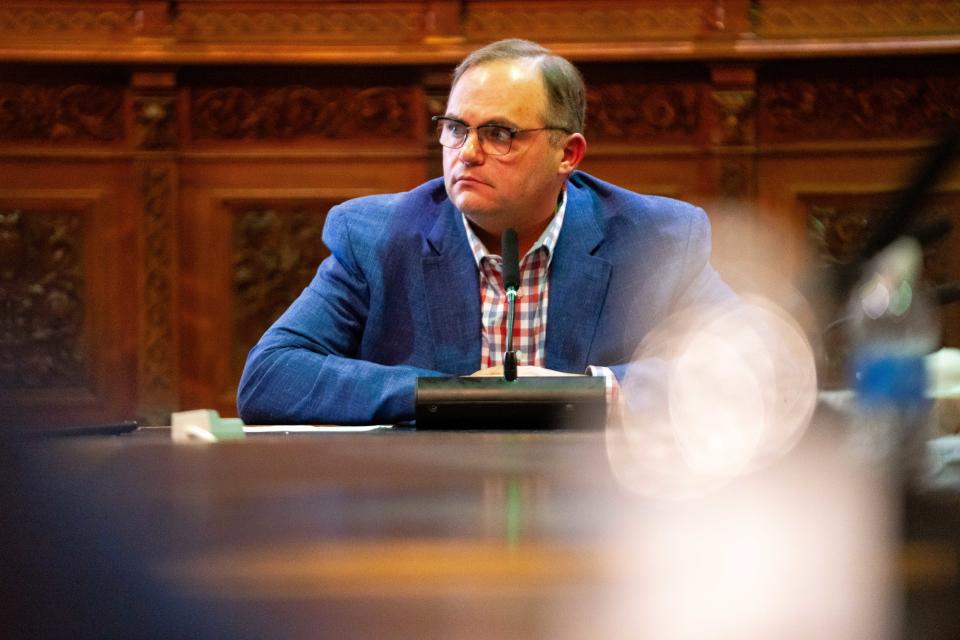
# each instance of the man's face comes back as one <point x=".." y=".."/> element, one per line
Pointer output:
<point x="518" y="189"/>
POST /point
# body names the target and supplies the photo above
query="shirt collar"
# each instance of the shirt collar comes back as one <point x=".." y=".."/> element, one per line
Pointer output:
<point x="547" y="239"/>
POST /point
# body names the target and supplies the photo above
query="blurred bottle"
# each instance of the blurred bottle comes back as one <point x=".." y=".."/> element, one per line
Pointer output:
<point x="892" y="328"/>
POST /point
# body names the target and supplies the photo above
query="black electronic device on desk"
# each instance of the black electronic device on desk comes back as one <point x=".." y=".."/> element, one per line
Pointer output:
<point x="534" y="403"/>
<point x="511" y="402"/>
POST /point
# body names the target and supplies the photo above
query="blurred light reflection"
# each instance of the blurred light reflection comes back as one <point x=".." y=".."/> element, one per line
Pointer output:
<point x="719" y="391"/>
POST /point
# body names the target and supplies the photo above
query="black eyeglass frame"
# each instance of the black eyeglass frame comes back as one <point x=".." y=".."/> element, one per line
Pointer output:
<point x="513" y="131"/>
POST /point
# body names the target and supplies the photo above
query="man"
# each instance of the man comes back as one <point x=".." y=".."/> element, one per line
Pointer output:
<point x="413" y="286"/>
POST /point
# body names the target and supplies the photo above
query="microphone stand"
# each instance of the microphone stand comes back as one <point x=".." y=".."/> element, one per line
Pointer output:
<point x="510" y="356"/>
<point x="511" y="282"/>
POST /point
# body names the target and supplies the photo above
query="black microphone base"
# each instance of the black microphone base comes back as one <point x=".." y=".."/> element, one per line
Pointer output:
<point x="527" y="404"/>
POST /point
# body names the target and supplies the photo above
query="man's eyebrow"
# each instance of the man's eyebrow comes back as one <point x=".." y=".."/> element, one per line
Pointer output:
<point x="501" y="122"/>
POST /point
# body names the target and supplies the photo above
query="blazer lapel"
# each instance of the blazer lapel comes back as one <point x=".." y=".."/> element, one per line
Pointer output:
<point x="452" y="291"/>
<point x="578" y="286"/>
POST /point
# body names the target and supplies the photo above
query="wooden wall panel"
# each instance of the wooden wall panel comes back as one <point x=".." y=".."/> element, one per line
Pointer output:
<point x="166" y="167"/>
<point x="67" y="327"/>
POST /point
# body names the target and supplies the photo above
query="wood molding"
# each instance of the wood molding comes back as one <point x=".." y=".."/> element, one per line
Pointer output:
<point x="336" y="22"/>
<point x="236" y="113"/>
<point x="61" y="113"/>
<point x="810" y="108"/>
<point x="625" y="112"/>
<point x="788" y="18"/>
<point x="108" y="21"/>
<point x="572" y="21"/>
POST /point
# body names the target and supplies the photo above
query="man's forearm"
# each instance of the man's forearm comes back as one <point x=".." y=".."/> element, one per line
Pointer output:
<point x="284" y="385"/>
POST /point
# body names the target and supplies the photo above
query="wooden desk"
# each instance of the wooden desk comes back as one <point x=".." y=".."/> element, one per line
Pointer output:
<point x="447" y="535"/>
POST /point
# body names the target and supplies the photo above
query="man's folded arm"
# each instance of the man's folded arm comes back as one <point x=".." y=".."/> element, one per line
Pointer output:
<point x="294" y="385"/>
<point x="306" y="368"/>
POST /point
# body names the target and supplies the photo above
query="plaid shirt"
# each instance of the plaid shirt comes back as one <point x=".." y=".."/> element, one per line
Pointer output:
<point x="530" y="323"/>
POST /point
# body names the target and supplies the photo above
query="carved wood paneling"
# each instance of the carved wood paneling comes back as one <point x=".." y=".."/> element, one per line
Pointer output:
<point x="735" y="124"/>
<point x="316" y="22"/>
<point x="624" y="21"/>
<point x="786" y="18"/>
<point x="158" y="350"/>
<point x="155" y="121"/>
<point x="82" y="113"/>
<point x="837" y="226"/>
<point x="41" y="299"/>
<point x="830" y="108"/>
<point x="108" y="20"/>
<point x="258" y="113"/>
<point x="277" y="248"/>
<point x="647" y="111"/>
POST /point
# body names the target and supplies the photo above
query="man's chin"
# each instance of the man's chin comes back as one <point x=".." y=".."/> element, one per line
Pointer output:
<point x="485" y="220"/>
<point x="475" y="210"/>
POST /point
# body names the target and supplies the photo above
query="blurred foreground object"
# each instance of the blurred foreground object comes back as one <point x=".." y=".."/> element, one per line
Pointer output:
<point x="944" y="389"/>
<point x="831" y="288"/>
<point x="892" y="328"/>
<point x="204" y="425"/>
<point x="717" y="393"/>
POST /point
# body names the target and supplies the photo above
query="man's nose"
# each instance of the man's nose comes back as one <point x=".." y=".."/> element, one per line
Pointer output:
<point x="471" y="152"/>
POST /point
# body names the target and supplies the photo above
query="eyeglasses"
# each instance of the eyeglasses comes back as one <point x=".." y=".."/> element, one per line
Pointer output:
<point x="495" y="139"/>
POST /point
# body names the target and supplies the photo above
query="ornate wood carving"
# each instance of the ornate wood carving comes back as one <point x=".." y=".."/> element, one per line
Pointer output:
<point x="74" y="113"/>
<point x="837" y="226"/>
<point x="239" y="113"/>
<point x="577" y="22"/>
<point x="276" y="250"/>
<point x="855" y="108"/>
<point x="735" y="124"/>
<point x="779" y="18"/>
<point x="156" y="122"/>
<point x="836" y="235"/>
<point x="338" y="24"/>
<point x="41" y="299"/>
<point x="157" y="335"/>
<point x="628" y="112"/>
<point x="63" y="23"/>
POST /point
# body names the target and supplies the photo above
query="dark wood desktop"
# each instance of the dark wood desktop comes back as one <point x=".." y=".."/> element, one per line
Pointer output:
<point x="453" y="535"/>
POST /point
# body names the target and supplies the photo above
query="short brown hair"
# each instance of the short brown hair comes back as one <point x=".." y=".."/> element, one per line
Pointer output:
<point x="566" y="95"/>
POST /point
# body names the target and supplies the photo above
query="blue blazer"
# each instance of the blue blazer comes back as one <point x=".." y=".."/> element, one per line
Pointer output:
<point x="399" y="298"/>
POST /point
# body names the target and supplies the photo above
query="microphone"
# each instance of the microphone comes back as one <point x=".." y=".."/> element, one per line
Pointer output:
<point x="511" y="283"/>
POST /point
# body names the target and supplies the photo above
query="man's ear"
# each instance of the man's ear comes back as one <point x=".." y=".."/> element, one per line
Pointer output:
<point x="574" y="149"/>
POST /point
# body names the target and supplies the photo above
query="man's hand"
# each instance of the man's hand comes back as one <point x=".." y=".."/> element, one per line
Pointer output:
<point x="522" y="371"/>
